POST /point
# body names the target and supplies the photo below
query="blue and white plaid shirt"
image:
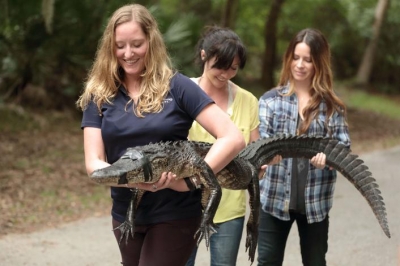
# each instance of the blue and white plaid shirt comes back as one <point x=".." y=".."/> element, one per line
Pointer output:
<point x="278" y="115"/>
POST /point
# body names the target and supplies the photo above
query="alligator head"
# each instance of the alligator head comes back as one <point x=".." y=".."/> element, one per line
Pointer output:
<point x="133" y="162"/>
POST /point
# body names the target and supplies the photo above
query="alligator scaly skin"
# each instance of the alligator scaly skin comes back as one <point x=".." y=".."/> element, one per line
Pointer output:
<point x="185" y="158"/>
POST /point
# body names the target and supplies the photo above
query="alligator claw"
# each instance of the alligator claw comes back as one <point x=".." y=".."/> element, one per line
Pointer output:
<point x="205" y="231"/>
<point x="251" y="241"/>
<point x="127" y="229"/>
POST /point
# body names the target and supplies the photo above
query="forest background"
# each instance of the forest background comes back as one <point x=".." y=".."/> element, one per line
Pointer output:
<point x="47" y="47"/>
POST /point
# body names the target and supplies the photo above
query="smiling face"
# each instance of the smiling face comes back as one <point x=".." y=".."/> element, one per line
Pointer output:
<point x="131" y="46"/>
<point x="302" y="67"/>
<point x="220" y="77"/>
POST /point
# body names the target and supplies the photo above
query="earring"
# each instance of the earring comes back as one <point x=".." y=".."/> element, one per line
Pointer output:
<point x="202" y="55"/>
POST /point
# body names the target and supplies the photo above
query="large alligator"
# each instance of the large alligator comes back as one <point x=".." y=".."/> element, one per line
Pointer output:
<point x="185" y="159"/>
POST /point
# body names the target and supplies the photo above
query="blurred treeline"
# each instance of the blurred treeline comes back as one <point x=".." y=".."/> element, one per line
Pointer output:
<point x="47" y="47"/>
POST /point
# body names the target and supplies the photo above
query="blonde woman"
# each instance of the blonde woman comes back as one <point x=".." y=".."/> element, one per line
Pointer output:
<point x="133" y="97"/>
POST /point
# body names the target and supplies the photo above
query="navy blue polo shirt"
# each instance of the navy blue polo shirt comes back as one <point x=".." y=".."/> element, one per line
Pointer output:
<point x="121" y="129"/>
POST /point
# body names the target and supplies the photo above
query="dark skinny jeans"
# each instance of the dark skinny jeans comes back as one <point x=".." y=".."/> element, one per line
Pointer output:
<point x="163" y="244"/>
<point x="273" y="234"/>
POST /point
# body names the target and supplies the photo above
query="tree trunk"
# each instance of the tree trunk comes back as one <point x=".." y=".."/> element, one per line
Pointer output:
<point x="229" y="14"/>
<point x="365" y="68"/>
<point x="48" y="14"/>
<point x="269" y="57"/>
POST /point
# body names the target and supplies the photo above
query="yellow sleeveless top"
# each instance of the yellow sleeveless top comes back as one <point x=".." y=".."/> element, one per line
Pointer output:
<point x="243" y="112"/>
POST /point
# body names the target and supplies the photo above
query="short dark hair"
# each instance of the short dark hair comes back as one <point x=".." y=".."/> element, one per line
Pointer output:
<point x="223" y="44"/>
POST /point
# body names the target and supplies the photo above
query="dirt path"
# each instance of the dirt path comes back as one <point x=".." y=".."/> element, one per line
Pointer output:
<point x="355" y="236"/>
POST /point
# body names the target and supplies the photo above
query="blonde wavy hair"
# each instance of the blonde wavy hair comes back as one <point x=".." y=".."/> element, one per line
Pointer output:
<point x="322" y="81"/>
<point x="106" y="75"/>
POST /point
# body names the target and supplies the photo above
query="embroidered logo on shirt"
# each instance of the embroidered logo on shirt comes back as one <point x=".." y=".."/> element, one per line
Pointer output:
<point x="167" y="100"/>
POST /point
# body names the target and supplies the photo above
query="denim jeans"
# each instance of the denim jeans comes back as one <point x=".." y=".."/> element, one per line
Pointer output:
<point x="273" y="234"/>
<point x="224" y="245"/>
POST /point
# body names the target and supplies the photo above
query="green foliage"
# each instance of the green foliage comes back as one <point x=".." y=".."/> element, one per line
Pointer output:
<point x="57" y="61"/>
<point x="55" y="53"/>
<point x="250" y="28"/>
<point x="180" y="38"/>
<point x="341" y="37"/>
<point x="360" y="15"/>
<point x="387" y="65"/>
<point x="181" y="23"/>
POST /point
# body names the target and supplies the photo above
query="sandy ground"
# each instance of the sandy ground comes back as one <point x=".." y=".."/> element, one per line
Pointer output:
<point x="355" y="236"/>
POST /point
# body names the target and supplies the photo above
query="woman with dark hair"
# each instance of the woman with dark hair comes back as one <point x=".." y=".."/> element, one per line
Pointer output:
<point x="300" y="190"/>
<point x="133" y="97"/>
<point x="220" y="54"/>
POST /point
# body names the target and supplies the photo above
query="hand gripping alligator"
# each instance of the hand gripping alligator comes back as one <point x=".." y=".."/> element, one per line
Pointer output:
<point x="185" y="159"/>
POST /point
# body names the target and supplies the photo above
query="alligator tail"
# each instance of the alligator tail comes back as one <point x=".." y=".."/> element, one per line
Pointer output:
<point x="338" y="156"/>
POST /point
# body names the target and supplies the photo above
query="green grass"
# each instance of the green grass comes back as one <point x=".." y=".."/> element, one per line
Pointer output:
<point x="16" y="119"/>
<point x="380" y="104"/>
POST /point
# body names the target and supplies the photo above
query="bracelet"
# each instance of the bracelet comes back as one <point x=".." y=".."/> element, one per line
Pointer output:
<point x="195" y="182"/>
<point x="189" y="184"/>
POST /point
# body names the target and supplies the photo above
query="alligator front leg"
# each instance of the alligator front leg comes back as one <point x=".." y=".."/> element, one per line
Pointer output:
<point x="253" y="222"/>
<point x="207" y="226"/>
<point x="127" y="228"/>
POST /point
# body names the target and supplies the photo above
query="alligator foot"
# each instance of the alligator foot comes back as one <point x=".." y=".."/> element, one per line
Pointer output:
<point x="205" y="231"/>
<point x="127" y="229"/>
<point x="128" y="226"/>
<point x="251" y="241"/>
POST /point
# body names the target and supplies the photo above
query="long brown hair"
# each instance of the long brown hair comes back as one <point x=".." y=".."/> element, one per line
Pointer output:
<point x="322" y="81"/>
<point x="106" y="75"/>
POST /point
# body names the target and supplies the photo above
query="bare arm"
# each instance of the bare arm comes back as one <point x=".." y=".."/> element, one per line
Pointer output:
<point x="95" y="156"/>
<point x="229" y="140"/>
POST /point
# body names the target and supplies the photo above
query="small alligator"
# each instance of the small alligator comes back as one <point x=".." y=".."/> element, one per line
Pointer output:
<point x="185" y="159"/>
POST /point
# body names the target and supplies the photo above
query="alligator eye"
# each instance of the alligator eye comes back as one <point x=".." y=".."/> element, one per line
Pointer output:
<point x="133" y="155"/>
<point x="136" y="154"/>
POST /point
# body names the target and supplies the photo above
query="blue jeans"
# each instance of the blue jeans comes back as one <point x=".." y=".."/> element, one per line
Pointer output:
<point x="224" y="245"/>
<point x="273" y="234"/>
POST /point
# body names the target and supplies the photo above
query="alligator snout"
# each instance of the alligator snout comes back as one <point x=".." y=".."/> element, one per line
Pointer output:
<point x="109" y="175"/>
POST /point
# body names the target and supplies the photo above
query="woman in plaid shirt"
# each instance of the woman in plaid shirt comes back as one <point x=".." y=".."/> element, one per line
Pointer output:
<point x="300" y="190"/>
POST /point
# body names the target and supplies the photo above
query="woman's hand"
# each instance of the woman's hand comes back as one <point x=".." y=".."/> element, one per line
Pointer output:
<point x="319" y="160"/>
<point x="167" y="180"/>
<point x="262" y="171"/>
<point x="277" y="159"/>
